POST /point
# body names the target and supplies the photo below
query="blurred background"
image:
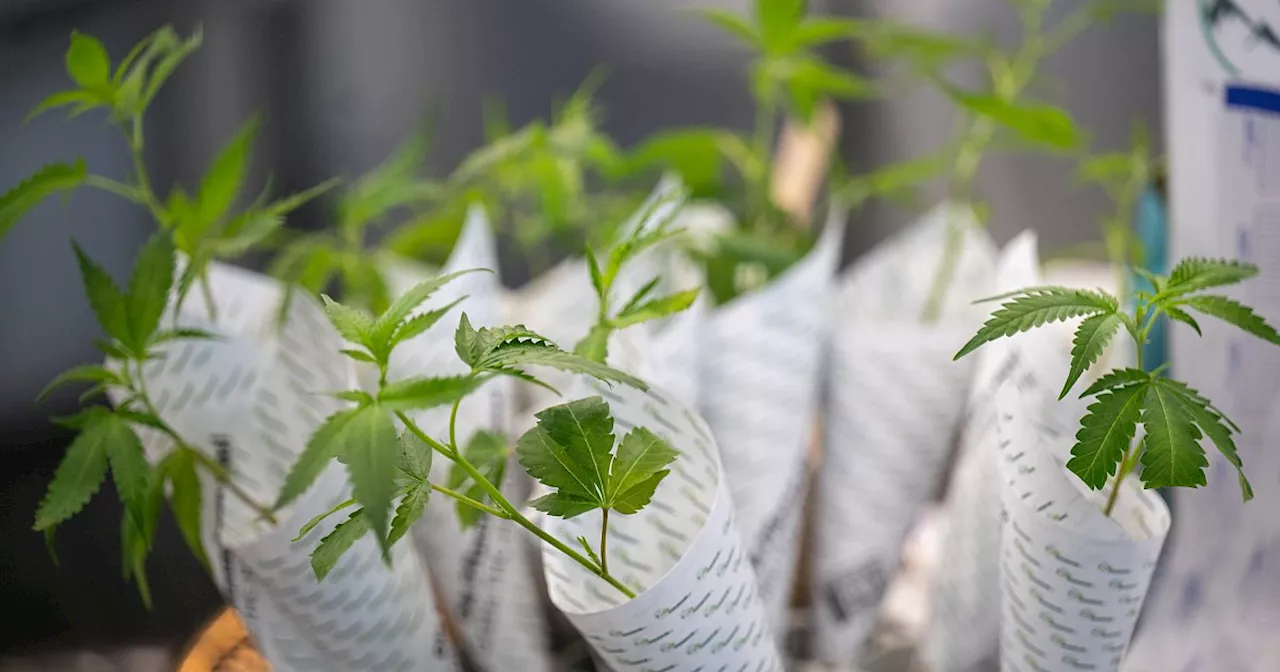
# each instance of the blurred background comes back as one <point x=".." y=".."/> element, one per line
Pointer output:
<point x="339" y="84"/>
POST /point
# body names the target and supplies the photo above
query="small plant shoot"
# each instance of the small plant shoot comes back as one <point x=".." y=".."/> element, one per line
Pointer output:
<point x="1174" y="416"/>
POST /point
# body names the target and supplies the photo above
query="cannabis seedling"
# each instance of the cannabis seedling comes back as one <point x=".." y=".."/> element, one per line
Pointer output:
<point x="1174" y="416"/>
<point x="202" y="225"/>
<point x="132" y="322"/>
<point x="569" y="450"/>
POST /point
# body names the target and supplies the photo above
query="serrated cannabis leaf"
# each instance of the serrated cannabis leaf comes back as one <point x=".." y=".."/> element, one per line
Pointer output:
<point x="1173" y="456"/>
<point x="571" y="450"/>
<point x="370" y="448"/>
<point x="180" y="470"/>
<point x="1213" y="425"/>
<point x="339" y="541"/>
<point x="325" y="444"/>
<point x="1232" y="312"/>
<point x="656" y="308"/>
<point x="385" y="327"/>
<point x="1176" y="313"/>
<point x="148" y="291"/>
<point x="420" y="323"/>
<point x="413" y="502"/>
<point x="95" y="373"/>
<point x="1114" y="379"/>
<point x="1195" y="273"/>
<point x="1036" y="307"/>
<point x="354" y="324"/>
<point x="82" y="469"/>
<point x="426" y="392"/>
<point x="49" y="180"/>
<point x="1106" y="433"/>
<point x="359" y="355"/>
<point x="106" y="300"/>
<point x="131" y="473"/>
<point x="320" y="517"/>
<point x="516" y="354"/>
<point x="225" y="176"/>
<point x="1091" y="339"/>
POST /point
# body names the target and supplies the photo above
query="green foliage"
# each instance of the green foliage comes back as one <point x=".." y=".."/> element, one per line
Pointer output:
<point x="572" y="451"/>
<point x="488" y="452"/>
<point x="1174" y="417"/>
<point x="49" y="180"/>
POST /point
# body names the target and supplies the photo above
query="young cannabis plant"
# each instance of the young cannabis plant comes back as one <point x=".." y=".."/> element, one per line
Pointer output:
<point x="1173" y="416"/>
<point x="567" y="451"/>
<point x="132" y="321"/>
<point x="787" y="77"/>
<point x="202" y="225"/>
<point x="640" y="307"/>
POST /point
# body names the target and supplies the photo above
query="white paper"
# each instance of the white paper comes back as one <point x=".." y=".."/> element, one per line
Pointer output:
<point x="894" y="403"/>
<point x="251" y="400"/>
<point x="964" y="626"/>
<point x="759" y="373"/>
<point x="698" y="604"/>
<point x="484" y="579"/>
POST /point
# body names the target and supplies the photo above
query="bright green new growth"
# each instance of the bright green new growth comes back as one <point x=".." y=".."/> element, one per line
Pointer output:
<point x="1174" y="416"/>
<point x="640" y="307"/>
<point x="202" y="225"/>
<point x="389" y="467"/>
<point x="131" y="319"/>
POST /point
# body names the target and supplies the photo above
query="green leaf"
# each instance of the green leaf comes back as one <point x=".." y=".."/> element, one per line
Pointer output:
<point x="597" y="278"/>
<point x="412" y="503"/>
<point x="1232" y="312"/>
<point x="415" y="457"/>
<point x="584" y="428"/>
<point x="528" y="378"/>
<point x="319" y="518"/>
<point x="149" y="287"/>
<point x="225" y="177"/>
<point x="595" y="345"/>
<point x="692" y="153"/>
<point x="49" y="180"/>
<point x="641" y="456"/>
<point x="420" y="323"/>
<point x="88" y="372"/>
<point x="657" y="308"/>
<point x="354" y="324"/>
<point x="776" y="20"/>
<point x="1114" y="379"/>
<point x="342" y="538"/>
<point x="820" y="30"/>
<point x="87" y="62"/>
<point x="1091" y="339"/>
<point x="1194" y="274"/>
<point x="591" y="552"/>
<point x="639" y="495"/>
<point x="1213" y="426"/>
<point x="358" y="355"/>
<point x="325" y="444"/>
<point x="165" y="66"/>
<point x="134" y="549"/>
<point x="104" y="297"/>
<point x="83" y="100"/>
<point x="424" y="392"/>
<point x="521" y="354"/>
<point x="390" y="321"/>
<point x="1105" y="434"/>
<point x="82" y="469"/>
<point x="1034" y="307"/>
<point x="466" y="342"/>
<point x="1178" y="314"/>
<point x="1043" y="124"/>
<point x="640" y="295"/>
<point x="553" y="465"/>
<point x="1172" y="456"/>
<point x="360" y="397"/>
<point x="731" y="23"/>
<point x="564" y="505"/>
<point x="185" y="500"/>
<point x="370" y="450"/>
<point x="131" y="472"/>
<point x="487" y="452"/>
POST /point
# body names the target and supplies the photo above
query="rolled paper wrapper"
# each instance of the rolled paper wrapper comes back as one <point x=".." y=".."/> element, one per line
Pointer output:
<point x="759" y="392"/>
<point x="251" y="399"/>
<point x="895" y="400"/>
<point x="963" y="632"/>
<point x="1072" y="579"/>
<point x="698" y="602"/>
<point x="485" y="582"/>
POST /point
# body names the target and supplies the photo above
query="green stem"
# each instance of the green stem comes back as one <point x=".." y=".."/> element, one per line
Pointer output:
<point x="1126" y="466"/>
<point x="120" y="189"/>
<point x="604" y="541"/>
<point x="470" y="502"/>
<point x="453" y="426"/>
<point x="218" y="472"/>
<point x="512" y="512"/>
<point x="136" y="149"/>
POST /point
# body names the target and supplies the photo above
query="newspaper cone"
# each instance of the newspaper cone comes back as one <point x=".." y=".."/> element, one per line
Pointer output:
<point x="1073" y="580"/>
<point x="895" y="401"/>
<point x="251" y="400"/>
<point x="964" y="619"/>
<point x="485" y="582"/>
<point x="759" y="391"/>
<point x="698" y="603"/>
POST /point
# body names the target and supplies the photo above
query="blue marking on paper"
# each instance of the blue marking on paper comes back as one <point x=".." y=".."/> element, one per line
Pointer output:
<point x="1267" y="100"/>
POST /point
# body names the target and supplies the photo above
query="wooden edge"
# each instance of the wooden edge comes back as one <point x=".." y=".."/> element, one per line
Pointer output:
<point x="801" y="161"/>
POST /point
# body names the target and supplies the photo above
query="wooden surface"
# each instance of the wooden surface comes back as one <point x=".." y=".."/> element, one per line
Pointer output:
<point x="223" y="646"/>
